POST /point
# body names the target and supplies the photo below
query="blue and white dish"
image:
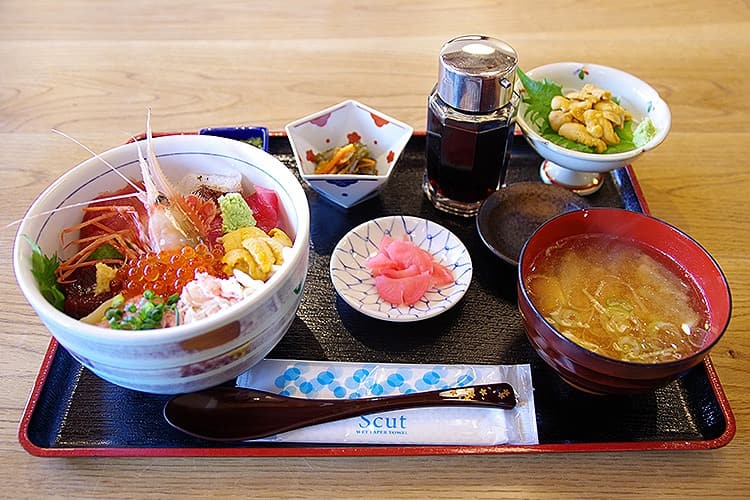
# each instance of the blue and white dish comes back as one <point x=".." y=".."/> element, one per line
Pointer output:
<point x="356" y="285"/>
<point x="384" y="136"/>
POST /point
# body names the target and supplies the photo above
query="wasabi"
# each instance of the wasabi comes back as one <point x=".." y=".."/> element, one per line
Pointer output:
<point x="235" y="212"/>
<point x="644" y="132"/>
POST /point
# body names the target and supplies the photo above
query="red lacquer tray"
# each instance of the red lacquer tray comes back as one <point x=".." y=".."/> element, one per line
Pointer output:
<point x="72" y="412"/>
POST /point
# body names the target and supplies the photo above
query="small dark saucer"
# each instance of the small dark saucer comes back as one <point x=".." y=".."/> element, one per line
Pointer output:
<point x="510" y="215"/>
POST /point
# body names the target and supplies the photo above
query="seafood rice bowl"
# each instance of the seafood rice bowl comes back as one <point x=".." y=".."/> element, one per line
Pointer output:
<point x="167" y="265"/>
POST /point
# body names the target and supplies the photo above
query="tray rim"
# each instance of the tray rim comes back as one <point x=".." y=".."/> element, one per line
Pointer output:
<point x="342" y="450"/>
<point x="315" y="450"/>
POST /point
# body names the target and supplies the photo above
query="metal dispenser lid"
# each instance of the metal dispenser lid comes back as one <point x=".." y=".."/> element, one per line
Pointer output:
<point x="476" y="73"/>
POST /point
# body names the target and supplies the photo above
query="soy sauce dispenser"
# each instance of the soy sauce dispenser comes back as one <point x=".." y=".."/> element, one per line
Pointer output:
<point x="470" y="123"/>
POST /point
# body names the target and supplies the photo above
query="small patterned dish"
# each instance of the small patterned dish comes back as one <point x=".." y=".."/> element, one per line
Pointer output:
<point x="575" y="170"/>
<point x="347" y="122"/>
<point x="356" y="285"/>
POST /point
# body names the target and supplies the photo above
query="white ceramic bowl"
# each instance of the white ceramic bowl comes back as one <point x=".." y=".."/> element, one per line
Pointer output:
<point x="191" y="356"/>
<point x="639" y="98"/>
<point x="385" y="137"/>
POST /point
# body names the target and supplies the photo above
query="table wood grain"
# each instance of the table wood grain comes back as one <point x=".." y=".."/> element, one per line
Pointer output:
<point x="91" y="69"/>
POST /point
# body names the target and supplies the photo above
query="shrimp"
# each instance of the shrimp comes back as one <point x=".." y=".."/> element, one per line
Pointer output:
<point x="172" y="221"/>
<point x="167" y="220"/>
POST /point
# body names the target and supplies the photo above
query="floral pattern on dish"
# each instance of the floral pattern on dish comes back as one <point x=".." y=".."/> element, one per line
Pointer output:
<point x="356" y="285"/>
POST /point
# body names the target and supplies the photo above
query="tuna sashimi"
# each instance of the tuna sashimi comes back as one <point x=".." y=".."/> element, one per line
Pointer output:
<point x="265" y="206"/>
<point x="404" y="272"/>
<point x="119" y="220"/>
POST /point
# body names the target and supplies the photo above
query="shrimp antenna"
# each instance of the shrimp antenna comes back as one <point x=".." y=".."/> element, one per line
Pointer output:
<point x="100" y="158"/>
<point x="65" y="207"/>
<point x="74" y="205"/>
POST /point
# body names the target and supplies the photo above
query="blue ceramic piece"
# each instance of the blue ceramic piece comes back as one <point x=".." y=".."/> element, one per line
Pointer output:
<point x="251" y="135"/>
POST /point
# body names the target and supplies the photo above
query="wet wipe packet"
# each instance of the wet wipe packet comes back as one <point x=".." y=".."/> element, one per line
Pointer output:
<point x="444" y="425"/>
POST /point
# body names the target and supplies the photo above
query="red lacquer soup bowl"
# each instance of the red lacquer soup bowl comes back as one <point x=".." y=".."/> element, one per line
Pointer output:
<point x="594" y="372"/>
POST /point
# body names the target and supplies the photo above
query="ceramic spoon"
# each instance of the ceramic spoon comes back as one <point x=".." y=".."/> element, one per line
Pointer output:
<point x="236" y="414"/>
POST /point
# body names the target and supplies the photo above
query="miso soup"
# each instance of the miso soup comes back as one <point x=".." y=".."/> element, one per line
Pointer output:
<point x="619" y="299"/>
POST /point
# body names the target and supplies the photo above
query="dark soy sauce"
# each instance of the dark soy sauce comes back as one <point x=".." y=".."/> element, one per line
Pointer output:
<point x="465" y="161"/>
<point x="470" y="123"/>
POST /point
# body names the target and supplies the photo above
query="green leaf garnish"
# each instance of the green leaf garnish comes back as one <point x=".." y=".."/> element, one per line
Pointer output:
<point x="538" y="97"/>
<point x="254" y="141"/>
<point x="43" y="269"/>
<point x="105" y="251"/>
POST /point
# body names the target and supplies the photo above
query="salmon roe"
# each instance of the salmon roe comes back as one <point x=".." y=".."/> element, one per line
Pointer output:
<point x="167" y="272"/>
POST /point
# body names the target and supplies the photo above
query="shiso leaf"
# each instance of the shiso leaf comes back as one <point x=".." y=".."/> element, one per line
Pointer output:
<point x="538" y="96"/>
<point x="105" y="251"/>
<point x="43" y="269"/>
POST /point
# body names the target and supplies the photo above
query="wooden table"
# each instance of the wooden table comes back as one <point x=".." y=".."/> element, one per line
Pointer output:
<point x="92" y="68"/>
